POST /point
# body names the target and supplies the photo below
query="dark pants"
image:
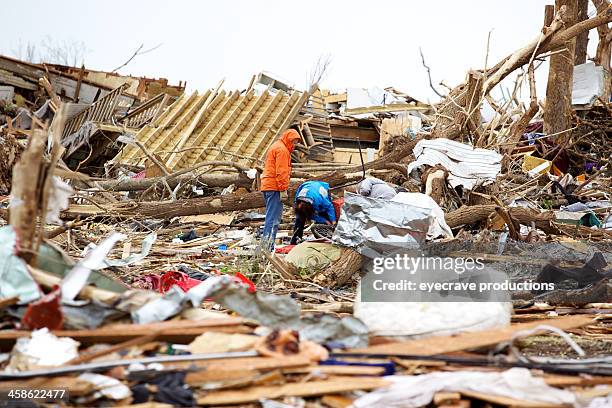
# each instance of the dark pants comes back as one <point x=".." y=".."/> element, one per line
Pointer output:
<point x="298" y="229"/>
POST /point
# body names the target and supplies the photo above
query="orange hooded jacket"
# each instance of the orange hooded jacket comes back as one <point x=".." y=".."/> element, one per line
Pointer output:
<point x="277" y="169"/>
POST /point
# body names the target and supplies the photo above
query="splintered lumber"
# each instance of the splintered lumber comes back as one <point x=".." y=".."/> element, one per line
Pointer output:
<point x="307" y="389"/>
<point x="196" y="206"/>
<point x="470" y="340"/>
<point x="26" y="191"/>
<point x="336" y="401"/>
<point x="172" y="331"/>
<point x="243" y="363"/>
<point x="88" y="292"/>
<point x="6" y="302"/>
<point x="558" y="106"/>
<point x="604" y="45"/>
<point x="10" y="151"/>
<point x="459" y="111"/>
<point x="507" y="401"/>
<point x="337" y="370"/>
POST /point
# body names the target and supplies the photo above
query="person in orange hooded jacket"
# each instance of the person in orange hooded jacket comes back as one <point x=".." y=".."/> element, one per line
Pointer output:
<point x="275" y="181"/>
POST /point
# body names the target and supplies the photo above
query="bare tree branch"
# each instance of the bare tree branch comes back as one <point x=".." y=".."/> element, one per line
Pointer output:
<point x="319" y="70"/>
<point x="136" y="53"/>
<point x="429" y="75"/>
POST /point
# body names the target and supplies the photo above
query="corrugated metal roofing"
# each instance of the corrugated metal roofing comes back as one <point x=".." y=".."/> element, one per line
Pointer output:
<point x="225" y="126"/>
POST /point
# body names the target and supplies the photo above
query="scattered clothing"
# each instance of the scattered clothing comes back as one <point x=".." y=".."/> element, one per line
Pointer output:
<point x="170" y="389"/>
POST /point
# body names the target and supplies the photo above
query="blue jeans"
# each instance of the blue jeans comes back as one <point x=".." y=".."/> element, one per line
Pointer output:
<point x="274" y="212"/>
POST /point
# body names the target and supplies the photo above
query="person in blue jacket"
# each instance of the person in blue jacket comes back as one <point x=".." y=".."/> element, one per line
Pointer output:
<point x="312" y="202"/>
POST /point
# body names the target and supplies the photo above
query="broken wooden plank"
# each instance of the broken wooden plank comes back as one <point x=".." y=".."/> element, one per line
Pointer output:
<point x="244" y="364"/>
<point x="309" y="389"/>
<point x="182" y="331"/>
<point x="507" y="401"/>
<point x="470" y="340"/>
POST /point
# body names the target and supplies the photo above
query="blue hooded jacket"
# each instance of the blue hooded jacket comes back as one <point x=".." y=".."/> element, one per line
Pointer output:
<point x="317" y="193"/>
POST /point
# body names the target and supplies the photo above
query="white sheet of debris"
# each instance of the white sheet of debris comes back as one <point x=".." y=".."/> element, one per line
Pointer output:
<point x="412" y="391"/>
<point x="588" y="83"/>
<point x="467" y="166"/>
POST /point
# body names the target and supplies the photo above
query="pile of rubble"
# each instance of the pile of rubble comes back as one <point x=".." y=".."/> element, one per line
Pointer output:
<point x="191" y="310"/>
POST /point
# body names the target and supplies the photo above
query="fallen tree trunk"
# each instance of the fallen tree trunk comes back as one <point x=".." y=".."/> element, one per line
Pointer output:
<point x="477" y="213"/>
<point x="196" y="206"/>
<point x="340" y="271"/>
<point x="230" y="202"/>
<point x="211" y="180"/>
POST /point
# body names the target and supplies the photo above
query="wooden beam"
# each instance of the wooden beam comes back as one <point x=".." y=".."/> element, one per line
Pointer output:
<point x="265" y="115"/>
<point x="307" y="389"/>
<point x="225" y="119"/>
<point x="470" y="340"/>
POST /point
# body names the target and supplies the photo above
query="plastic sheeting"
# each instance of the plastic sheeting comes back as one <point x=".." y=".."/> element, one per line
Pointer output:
<point x="96" y="259"/>
<point x="372" y="225"/>
<point x="418" y="391"/>
<point x="15" y="280"/>
<point x="438" y="228"/>
<point x="268" y="309"/>
<point x="467" y="166"/>
<point x="365" y="98"/>
<point x="422" y="319"/>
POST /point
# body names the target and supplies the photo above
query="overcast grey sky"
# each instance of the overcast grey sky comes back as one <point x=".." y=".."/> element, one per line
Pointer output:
<point x="371" y="43"/>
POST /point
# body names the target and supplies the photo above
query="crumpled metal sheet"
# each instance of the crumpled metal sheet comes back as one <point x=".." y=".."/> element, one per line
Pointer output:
<point x="322" y="328"/>
<point x="438" y="228"/>
<point x="274" y="311"/>
<point x="15" y="280"/>
<point x="380" y="225"/>
<point x="268" y="309"/>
